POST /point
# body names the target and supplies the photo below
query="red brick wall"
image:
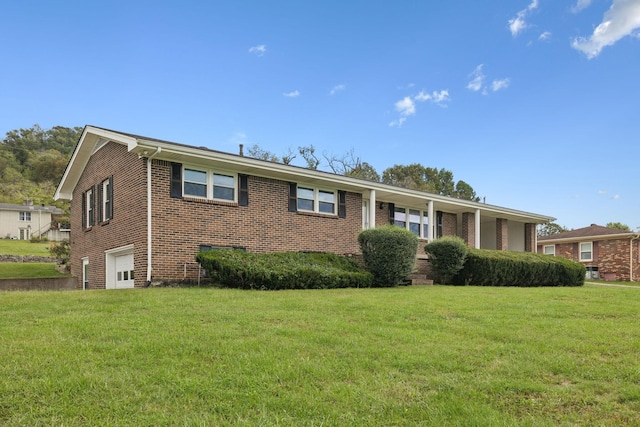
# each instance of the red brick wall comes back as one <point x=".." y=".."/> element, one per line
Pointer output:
<point x="265" y="225"/>
<point x="128" y="225"/>
<point x="469" y="229"/>
<point x="610" y="256"/>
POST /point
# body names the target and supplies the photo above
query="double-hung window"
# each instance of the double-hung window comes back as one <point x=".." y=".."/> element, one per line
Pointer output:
<point x="105" y="200"/>
<point x="586" y="251"/>
<point x="195" y="183"/>
<point x="88" y="208"/>
<point x="316" y="200"/>
<point x="224" y="187"/>
<point x="209" y="184"/>
<point x="25" y="216"/>
<point x="549" y="250"/>
<point x="414" y="220"/>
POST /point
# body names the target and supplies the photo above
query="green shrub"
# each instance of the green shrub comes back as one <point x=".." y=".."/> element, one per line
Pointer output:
<point x="389" y="253"/>
<point x="284" y="270"/>
<point x="447" y="256"/>
<point x="61" y="251"/>
<point x="503" y="268"/>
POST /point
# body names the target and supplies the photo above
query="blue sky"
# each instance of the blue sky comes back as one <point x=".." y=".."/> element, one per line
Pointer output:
<point x="534" y="103"/>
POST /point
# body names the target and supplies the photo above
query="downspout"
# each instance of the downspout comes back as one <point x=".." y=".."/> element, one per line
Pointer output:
<point x="149" y="222"/>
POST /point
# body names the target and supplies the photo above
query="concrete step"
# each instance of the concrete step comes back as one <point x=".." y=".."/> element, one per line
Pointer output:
<point x="419" y="279"/>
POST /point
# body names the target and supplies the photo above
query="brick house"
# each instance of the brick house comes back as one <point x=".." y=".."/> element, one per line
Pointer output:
<point x="612" y="252"/>
<point x="141" y="208"/>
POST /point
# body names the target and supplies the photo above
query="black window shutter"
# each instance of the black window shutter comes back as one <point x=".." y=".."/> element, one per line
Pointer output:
<point x="92" y="205"/>
<point x="392" y="213"/>
<point x="84" y="210"/>
<point x="342" y="204"/>
<point x="243" y="190"/>
<point x="176" y="180"/>
<point x="109" y="213"/>
<point x="293" y="197"/>
<point x="100" y="199"/>
<point x="439" y="230"/>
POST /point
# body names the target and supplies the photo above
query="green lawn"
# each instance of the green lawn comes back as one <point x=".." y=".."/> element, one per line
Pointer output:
<point x="24" y="247"/>
<point x="27" y="270"/>
<point x="427" y="356"/>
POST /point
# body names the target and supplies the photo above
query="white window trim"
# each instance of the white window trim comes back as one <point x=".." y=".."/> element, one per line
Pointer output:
<point x="424" y="214"/>
<point x="209" y="175"/>
<point x="23" y="216"/>
<point x="580" y="251"/>
<point x="553" y="252"/>
<point x="90" y="218"/>
<point x="316" y="199"/>
<point x="105" y="199"/>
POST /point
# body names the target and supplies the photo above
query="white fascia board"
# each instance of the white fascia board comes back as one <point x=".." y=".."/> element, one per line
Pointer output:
<point x="80" y="157"/>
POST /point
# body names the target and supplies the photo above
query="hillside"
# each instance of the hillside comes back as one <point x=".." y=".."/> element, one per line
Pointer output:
<point x="32" y="162"/>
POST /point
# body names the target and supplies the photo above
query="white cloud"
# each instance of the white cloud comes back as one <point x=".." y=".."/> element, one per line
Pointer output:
<point x="497" y="85"/>
<point x="545" y="36"/>
<point x="406" y="106"/>
<point x="258" y="50"/>
<point x="477" y="79"/>
<point x="621" y="20"/>
<point x="293" y="94"/>
<point x="581" y="4"/>
<point x="602" y="192"/>
<point x="518" y="23"/>
<point x="616" y="197"/>
<point x="436" y="97"/>
<point x="398" y="123"/>
<point x="337" y="88"/>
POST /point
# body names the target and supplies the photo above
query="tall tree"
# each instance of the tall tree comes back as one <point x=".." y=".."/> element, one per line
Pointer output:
<point x="550" y="228"/>
<point x="619" y="226"/>
<point x="432" y="180"/>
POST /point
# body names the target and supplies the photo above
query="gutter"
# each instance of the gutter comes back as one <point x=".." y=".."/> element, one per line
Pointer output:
<point x="149" y="211"/>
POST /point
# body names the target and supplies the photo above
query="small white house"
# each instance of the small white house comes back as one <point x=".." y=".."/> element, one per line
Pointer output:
<point x="28" y="220"/>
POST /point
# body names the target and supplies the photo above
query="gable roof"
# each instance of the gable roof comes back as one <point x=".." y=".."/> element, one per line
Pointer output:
<point x="593" y="232"/>
<point x="94" y="137"/>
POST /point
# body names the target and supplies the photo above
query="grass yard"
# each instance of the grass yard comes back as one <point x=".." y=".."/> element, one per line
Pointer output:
<point x="24" y="247"/>
<point x="427" y="356"/>
<point x="36" y="270"/>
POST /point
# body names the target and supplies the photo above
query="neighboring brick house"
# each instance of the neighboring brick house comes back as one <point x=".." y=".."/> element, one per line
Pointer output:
<point x="612" y="252"/>
<point x="141" y="208"/>
<point x="28" y="221"/>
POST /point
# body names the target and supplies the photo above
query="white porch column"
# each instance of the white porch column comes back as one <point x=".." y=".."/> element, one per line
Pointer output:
<point x="372" y="208"/>
<point x="432" y="222"/>
<point x="477" y="237"/>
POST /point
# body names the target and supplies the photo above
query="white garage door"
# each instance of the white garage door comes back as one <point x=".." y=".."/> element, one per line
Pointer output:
<point x="124" y="271"/>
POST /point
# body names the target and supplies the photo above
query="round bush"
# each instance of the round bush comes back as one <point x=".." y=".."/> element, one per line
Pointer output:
<point x="389" y="253"/>
<point x="447" y="256"/>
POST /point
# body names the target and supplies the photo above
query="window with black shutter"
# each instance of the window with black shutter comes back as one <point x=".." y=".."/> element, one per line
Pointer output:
<point x="243" y="190"/>
<point x="176" y="180"/>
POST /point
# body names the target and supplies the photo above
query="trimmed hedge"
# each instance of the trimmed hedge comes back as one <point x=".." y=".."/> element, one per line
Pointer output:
<point x="485" y="267"/>
<point x="283" y="270"/>
<point x="447" y="256"/>
<point x="389" y="253"/>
